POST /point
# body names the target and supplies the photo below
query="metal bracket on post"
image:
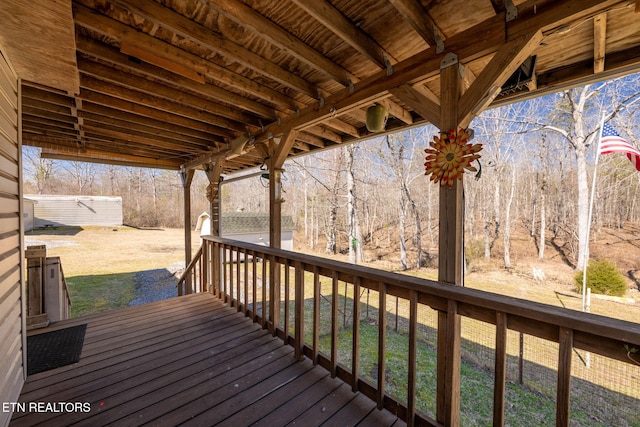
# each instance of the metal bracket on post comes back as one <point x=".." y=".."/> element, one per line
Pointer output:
<point x="448" y="60"/>
<point x="387" y="63"/>
<point x="439" y="41"/>
<point x="512" y="11"/>
<point x="352" y="88"/>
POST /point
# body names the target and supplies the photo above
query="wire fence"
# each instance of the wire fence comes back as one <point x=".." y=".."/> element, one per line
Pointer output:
<point x="604" y="391"/>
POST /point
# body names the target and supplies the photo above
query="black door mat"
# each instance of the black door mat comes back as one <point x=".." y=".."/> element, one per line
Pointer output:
<point x="54" y="349"/>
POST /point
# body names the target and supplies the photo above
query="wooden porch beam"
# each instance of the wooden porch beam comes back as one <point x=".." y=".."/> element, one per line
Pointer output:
<point x="104" y="115"/>
<point x="556" y="15"/>
<point x="218" y="125"/>
<point x="486" y="86"/>
<point x="248" y="18"/>
<point x="617" y="64"/>
<point x="105" y="100"/>
<point x="396" y="110"/>
<point x="134" y="137"/>
<point x="202" y="35"/>
<point x="417" y="68"/>
<point x="322" y="132"/>
<point x="489" y="37"/>
<point x="96" y="156"/>
<point x="88" y="18"/>
<point x="420" y="103"/>
<point x="419" y="19"/>
<point x="227" y="117"/>
<point x="106" y="53"/>
<point x="599" y="42"/>
<point x="334" y="20"/>
<point x="281" y="151"/>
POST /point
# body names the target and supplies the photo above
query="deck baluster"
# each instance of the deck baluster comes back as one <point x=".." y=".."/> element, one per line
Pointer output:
<point x="500" y="369"/>
<point x="355" y="350"/>
<point x="564" y="377"/>
<point x="316" y="314"/>
<point x="334" y="323"/>
<point x="382" y="341"/>
<point x="299" y="310"/>
<point x="238" y="279"/>
<point x="287" y="303"/>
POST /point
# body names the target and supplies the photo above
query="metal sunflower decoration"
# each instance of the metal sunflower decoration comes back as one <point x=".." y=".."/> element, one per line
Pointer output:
<point x="450" y="155"/>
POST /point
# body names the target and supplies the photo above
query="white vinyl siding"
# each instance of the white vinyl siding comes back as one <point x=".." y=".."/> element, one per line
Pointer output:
<point x="76" y="210"/>
<point x="12" y="336"/>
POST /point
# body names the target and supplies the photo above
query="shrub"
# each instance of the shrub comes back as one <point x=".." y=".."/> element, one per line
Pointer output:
<point x="603" y="278"/>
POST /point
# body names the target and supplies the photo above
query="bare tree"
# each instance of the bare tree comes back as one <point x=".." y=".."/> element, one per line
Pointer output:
<point x="355" y="245"/>
<point x="41" y="170"/>
<point x="399" y="153"/>
<point x="82" y="174"/>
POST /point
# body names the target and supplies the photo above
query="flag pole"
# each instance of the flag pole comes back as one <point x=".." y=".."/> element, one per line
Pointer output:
<point x="586" y="297"/>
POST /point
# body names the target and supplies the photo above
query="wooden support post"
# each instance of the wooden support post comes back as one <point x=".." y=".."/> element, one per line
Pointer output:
<point x="450" y="257"/>
<point x="213" y="172"/>
<point x="278" y="153"/>
<point x="275" y="238"/>
<point x="187" y="178"/>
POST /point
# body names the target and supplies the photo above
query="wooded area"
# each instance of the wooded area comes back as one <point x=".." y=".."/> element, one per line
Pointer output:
<point x="536" y="169"/>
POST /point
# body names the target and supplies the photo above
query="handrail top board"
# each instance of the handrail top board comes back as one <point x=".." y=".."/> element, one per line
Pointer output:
<point x="587" y="323"/>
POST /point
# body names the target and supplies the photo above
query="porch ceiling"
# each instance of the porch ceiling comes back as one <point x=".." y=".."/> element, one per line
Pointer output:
<point x="168" y="83"/>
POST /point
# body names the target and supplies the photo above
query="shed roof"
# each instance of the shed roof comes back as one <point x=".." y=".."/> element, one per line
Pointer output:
<point x="251" y="222"/>
<point x="171" y="83"/>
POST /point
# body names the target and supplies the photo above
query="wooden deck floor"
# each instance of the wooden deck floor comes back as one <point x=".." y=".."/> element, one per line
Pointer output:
<point x="191" y="361"/>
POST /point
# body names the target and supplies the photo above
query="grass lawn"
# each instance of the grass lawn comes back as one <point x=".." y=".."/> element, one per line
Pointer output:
<point x="100" y="263"/>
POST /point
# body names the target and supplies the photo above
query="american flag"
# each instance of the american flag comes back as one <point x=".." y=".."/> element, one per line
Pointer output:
<point x="611" y="142"/>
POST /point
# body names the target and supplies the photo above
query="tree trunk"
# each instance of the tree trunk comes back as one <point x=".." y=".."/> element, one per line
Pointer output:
<point x="507" y="221"/>
<point x="351" y="205"/>
<point x="543" y="225"/>
<point x="403" y="247"/>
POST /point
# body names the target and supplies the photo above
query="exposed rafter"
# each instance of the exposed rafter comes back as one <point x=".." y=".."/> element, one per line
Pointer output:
<point x="193" y="31"/>
<point x="261" y="26"/>
<point x="420" y="20"/>
<point x="331" y="18"/>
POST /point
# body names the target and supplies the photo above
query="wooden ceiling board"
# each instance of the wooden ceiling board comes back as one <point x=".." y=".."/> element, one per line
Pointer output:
<point x="38" y="36"/>
<point x="177" y="80"/>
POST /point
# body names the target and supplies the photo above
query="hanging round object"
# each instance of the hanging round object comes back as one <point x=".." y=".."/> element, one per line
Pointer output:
<point x="377" y="118"/>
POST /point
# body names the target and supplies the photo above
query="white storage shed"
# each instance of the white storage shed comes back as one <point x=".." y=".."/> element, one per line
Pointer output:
<point x="53" y="211"/>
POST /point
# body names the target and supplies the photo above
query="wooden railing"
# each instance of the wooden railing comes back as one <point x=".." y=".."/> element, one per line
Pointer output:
<point x="285" y="292"/>
<point x="192" y="279"/>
